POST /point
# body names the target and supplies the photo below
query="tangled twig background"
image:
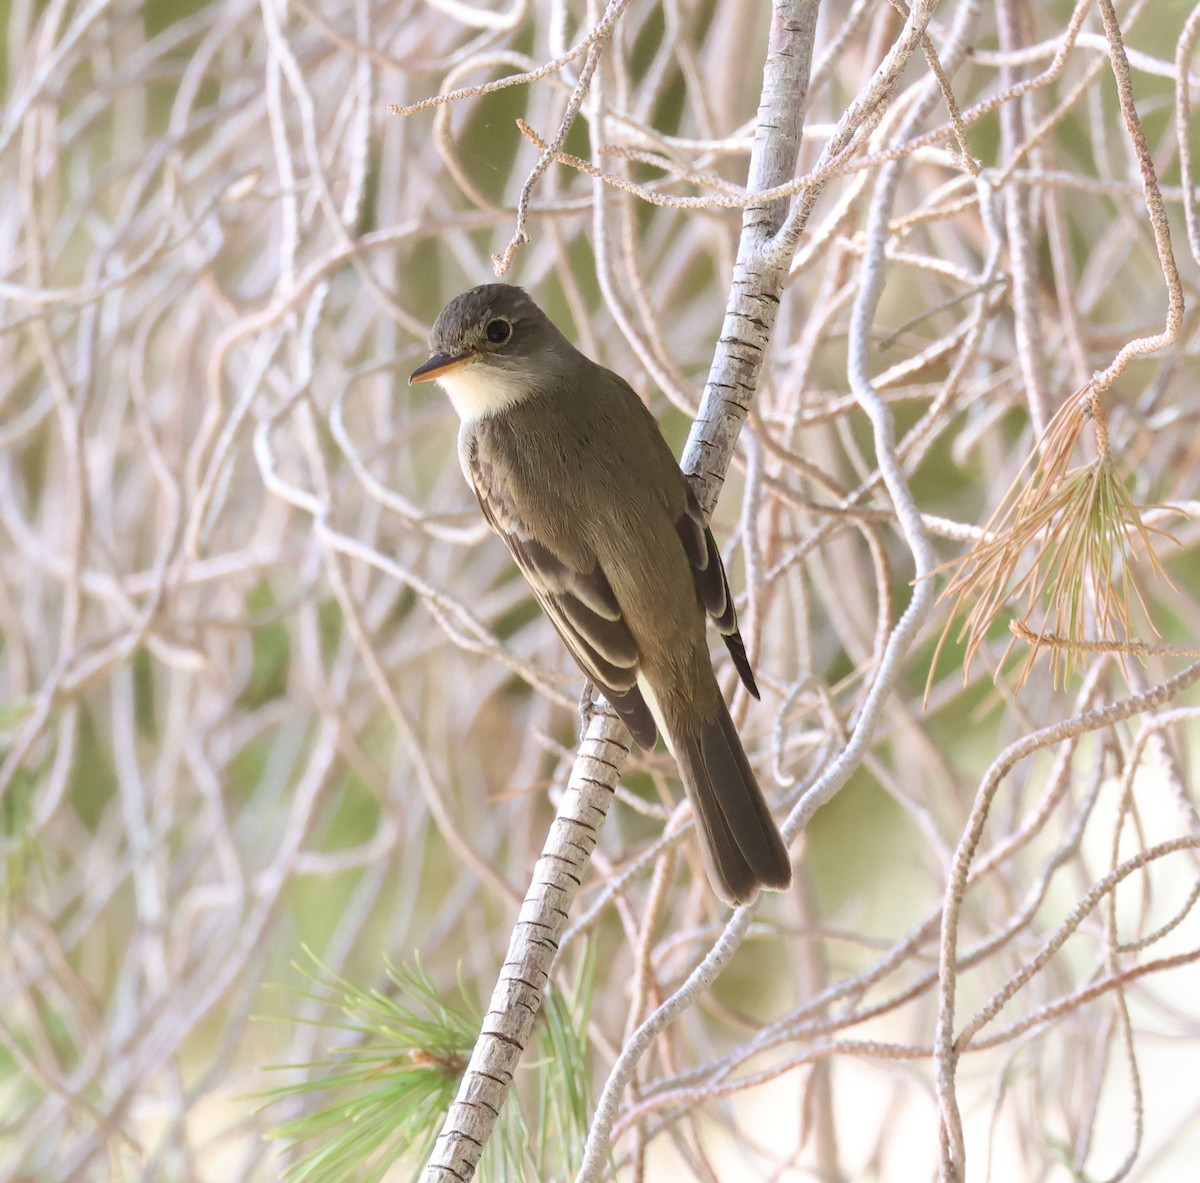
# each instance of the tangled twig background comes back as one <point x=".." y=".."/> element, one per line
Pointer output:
<point x="265" y="681"/>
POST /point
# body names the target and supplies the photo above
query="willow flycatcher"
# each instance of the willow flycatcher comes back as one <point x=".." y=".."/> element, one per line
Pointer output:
<point x="572" y="472"/>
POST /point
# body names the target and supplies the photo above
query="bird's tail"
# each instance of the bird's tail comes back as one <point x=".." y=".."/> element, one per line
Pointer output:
<point x="742" y="846"/>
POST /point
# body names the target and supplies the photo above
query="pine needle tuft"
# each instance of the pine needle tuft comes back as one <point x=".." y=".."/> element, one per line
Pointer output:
<point x="1067" y="539"/>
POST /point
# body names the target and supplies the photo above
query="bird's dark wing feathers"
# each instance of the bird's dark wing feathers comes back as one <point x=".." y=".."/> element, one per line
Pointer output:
<point x="580" y="603"/>
<point x="712" y="587"/>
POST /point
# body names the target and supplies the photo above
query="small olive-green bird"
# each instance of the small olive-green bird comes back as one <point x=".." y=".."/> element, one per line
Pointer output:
<point x="573" y="474"/>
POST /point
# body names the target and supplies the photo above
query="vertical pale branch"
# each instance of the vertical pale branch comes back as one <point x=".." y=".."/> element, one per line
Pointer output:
<point x="1154" y="208"/>
<point x="758" y="277"/>
<point x="1026" y="290"/>
<point x="749" y="318"/>
<point x="1183" y="111"/>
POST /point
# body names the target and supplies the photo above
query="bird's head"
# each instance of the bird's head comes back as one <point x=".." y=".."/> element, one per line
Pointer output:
<point x="492" y="347"/>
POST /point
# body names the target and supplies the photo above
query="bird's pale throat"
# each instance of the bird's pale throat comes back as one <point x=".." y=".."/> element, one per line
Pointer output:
<point x="479" y="389"/>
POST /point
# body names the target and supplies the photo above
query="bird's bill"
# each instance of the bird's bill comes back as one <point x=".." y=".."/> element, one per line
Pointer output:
<point x="436" y="366"/>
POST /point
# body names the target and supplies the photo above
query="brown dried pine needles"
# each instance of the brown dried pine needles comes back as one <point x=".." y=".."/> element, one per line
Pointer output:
<point x="1067" y="538"/>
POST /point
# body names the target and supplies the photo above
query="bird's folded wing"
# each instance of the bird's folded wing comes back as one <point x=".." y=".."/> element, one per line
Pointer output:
<point x="576" y="595"/>
<point x="708" y="574"/>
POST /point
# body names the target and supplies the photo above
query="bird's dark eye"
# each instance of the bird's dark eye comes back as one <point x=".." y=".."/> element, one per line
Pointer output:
<point x="498" y="331"/>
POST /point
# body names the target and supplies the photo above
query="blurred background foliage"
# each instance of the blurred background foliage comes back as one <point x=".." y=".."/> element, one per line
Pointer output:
<point x="267" y="683"/>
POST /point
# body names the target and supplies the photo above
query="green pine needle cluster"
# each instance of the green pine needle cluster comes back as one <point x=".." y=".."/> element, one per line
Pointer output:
<point x="384" y="1093"/>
